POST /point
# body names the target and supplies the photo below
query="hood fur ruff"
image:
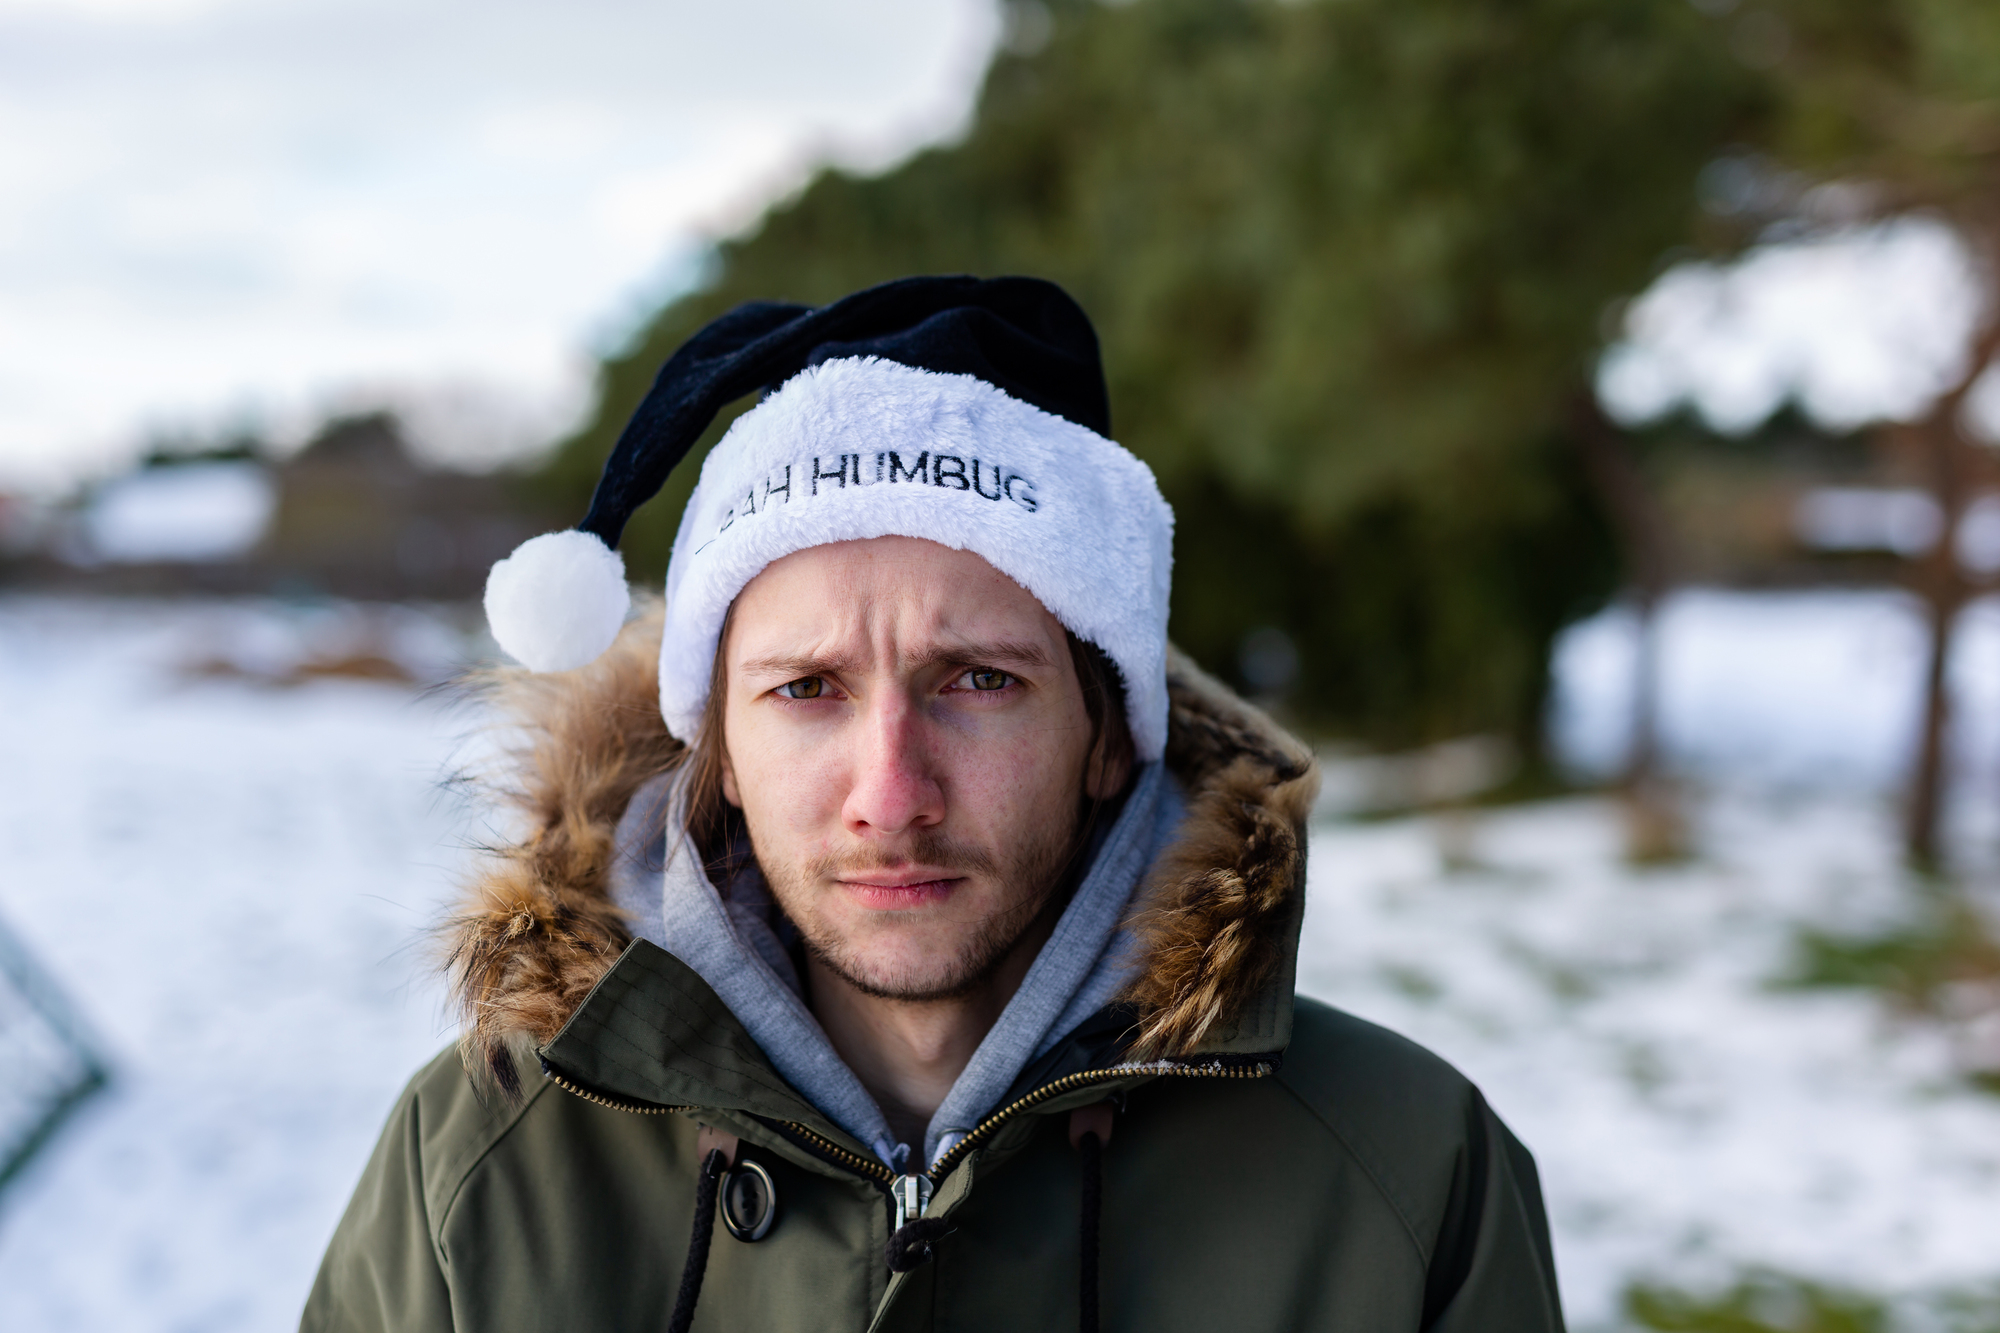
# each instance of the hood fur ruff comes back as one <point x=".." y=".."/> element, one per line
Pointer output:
<point x="537" y="928"/>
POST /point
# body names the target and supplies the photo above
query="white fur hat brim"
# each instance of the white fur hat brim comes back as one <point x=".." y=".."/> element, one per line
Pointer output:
<point x="861" y="447"/>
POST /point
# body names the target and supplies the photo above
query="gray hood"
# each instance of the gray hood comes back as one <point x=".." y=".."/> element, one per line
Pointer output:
<point x="731" y="939"/>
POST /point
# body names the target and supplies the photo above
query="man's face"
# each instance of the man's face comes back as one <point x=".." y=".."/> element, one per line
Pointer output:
<point x="907" y="739"/>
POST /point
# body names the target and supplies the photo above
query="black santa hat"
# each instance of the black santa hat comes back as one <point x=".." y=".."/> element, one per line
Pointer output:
<point x="991" y="374"/>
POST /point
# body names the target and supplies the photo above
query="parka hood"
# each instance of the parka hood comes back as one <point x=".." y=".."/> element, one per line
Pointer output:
<point x="537" y="928"/>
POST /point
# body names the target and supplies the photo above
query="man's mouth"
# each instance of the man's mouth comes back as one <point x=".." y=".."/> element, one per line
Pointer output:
<point x="898" y="890"/>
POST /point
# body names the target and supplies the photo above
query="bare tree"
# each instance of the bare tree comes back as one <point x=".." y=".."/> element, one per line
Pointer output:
<point x="1655" y="829"/>
<point x="1954" y="467"/>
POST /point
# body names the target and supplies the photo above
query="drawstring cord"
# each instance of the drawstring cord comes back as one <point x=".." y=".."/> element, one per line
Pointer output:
<point x="1093" y="1209"/>
<point x="910" y="1244"/>
<point x="705" y="1185"/>
<point x="1089" y="1130"/>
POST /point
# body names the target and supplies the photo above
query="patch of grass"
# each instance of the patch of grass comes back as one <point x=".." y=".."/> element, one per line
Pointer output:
<point x="1413" y="982"/>
<point x="1565" y="979"/>
<point x="1770" y="1302"/>
<point x="1919" y="964"/>
<point x="1760" y="1303"/>
<point x="1941" y="963"/>
<point x="1643" y="1066"/>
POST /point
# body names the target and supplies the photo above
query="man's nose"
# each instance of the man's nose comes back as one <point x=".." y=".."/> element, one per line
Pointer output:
<point x="895" y="783"/>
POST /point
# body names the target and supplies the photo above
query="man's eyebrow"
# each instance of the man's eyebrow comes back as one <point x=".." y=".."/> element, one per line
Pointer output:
<point x="1022" y="653"/>
<point x="996" y="652"/>
<point x="795" y="666"/>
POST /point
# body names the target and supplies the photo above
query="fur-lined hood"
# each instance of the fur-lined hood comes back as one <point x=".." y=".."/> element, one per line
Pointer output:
<point x="538" y="929"/>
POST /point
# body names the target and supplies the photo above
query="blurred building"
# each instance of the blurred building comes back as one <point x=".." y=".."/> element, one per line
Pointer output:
<point x="195" y="512"/>
<point x="355" y="514"/>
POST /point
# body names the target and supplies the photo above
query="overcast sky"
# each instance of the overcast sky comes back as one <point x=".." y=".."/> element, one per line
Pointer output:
<point x="224" y="210"/>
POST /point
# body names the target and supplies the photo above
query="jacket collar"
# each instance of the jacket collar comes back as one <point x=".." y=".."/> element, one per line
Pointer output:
<point x="537" y="932"/>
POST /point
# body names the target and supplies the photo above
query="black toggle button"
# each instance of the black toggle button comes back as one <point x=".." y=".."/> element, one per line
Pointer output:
<point x="749" y="1201"/>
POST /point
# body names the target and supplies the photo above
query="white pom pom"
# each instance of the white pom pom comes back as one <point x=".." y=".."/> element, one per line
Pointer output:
<point x="557" y="602"/>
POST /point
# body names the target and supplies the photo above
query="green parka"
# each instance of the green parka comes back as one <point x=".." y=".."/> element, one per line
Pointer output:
<point x="1271" y="1163"/>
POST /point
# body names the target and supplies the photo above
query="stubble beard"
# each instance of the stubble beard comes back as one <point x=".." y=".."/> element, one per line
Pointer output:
<point x="1033" y="868"/>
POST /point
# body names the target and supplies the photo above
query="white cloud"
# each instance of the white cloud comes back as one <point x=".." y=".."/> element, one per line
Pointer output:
<point x="217" y="209"/>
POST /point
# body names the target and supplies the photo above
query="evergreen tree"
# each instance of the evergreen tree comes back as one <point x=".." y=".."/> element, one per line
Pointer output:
<point x="1350" y="261"/>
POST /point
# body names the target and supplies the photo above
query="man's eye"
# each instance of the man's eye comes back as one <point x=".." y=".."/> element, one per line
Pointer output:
<point x="988" y="679"/>
<point x="805" y="687"/>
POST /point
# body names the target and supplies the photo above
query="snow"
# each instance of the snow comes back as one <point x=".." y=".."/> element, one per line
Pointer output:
<point x="1814" y="690"/>
<point x="231" y="880"/>
<point x="1856" y="324"/>
<point x="231" y="875"/>
<point x="1902" y="519"/>
<point x="1689" y="1119"/>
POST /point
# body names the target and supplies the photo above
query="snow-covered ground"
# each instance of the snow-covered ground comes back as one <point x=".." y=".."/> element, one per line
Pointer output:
<point x="232" y="878"/>
<point x="1690" y="1119"/>
<point x="1799" y="690"/>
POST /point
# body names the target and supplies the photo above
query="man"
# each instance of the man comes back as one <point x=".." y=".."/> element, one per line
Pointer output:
<point x="895" y="897"/>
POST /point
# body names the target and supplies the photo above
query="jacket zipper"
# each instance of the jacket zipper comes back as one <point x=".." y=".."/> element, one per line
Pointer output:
<point x="839" y="1156"/>
<point x="615" y="1103"/>
<point x="819" y="1143"/>
<point x="986" y="1129"/>
<point x="991" y="1125"/>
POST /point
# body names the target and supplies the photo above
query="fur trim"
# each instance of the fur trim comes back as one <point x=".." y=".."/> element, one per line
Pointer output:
<point x="538" y="930"/>
<point x="1212" y="929"/>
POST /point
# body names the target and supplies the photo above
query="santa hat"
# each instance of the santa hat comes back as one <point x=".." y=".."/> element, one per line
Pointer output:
<point x="969" y="412"/>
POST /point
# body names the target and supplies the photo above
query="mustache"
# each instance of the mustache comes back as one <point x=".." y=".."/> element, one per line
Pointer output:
<point x="929" y="847"/>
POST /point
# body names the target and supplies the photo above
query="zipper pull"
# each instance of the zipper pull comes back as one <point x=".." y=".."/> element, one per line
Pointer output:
<point x="912" y="1195"/>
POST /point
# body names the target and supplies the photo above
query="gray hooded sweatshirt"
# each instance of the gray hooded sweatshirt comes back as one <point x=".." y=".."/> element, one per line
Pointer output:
<point x="731" y="938"/>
